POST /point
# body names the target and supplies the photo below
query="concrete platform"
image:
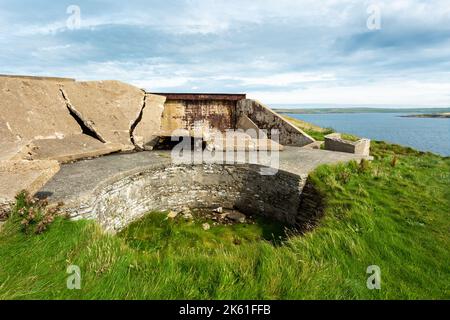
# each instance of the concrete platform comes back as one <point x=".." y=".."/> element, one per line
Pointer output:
<point x="118" y="189"/>
<point x="80" y="179"/>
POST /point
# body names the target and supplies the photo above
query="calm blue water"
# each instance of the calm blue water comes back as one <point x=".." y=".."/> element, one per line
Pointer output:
<point x="425" y="134"/>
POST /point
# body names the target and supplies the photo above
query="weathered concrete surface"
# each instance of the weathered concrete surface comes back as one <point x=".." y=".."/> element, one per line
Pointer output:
<point x="35" y="122"/>
<point x="108" y="108"/>
<point x="145" y="134"/>
<point x="70" y="148"/>
<point x="19" y="175"/>
<point x="267" y="119"/>
<point x="188" y="114"/>
<point x="14" y="151"/>
<point x="10" y="146"/>
<point x="80" y="179"/>
<point x="57" y="79"/>
<point x="240" y="141"/>
<point x="245" y="123"/>
<point x="334" y="142"/>
<point x="34" y="109"/>
<point x="314" y="145"/>
<point x="117" y="189"/>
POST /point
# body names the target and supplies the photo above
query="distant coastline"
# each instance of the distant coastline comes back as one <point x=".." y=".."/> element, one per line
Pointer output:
<point x="419" y="112"/>
<point x="428" y="115"/>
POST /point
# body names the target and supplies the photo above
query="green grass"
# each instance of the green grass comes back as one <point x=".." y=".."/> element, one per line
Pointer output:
<point x="394" y="214"/>
<point x="312" y="130"/>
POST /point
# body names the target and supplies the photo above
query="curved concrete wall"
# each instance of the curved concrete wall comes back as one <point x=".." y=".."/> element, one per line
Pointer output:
<point x="117" y="203"/>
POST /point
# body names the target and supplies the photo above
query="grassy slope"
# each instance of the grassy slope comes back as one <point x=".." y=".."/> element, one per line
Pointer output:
<point x="396" y="217"/>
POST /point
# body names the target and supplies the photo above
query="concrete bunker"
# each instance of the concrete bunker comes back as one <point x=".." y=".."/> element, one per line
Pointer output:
<point x="68" y="121"/>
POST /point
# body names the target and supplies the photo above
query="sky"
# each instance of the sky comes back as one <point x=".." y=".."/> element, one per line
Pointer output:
<point x="281" y="52"/>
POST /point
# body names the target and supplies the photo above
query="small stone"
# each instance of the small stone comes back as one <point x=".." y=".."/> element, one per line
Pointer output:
<point x="185" y="210"/>
<point x="236" y="216"/>
<point x="188" y="216"/>
<point x="172" y="215"/>
<point x="206" y="226"/>
<point x="218" y="210"/>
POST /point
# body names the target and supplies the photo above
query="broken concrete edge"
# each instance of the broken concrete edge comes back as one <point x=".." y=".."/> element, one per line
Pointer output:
<point x="334" y="142"/>
<point x="79" y="116"/>
<point x="142" y="137"/>
<point x="109" y="148"/>
<point x="23" y="175"/>
<point x="17" y="151"/>
<point x="282" y="125"/>
<point x="135" y="123"/>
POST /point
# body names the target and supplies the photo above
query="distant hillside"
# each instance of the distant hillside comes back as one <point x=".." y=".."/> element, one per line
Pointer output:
<point x="361" y="110"/>
<point x="429" y="115"/>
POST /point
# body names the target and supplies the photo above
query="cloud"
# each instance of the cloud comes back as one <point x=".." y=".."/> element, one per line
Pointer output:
<point x="285" y="51"/>
<point x="400" y="94"/>
<point x="280" y="80"/>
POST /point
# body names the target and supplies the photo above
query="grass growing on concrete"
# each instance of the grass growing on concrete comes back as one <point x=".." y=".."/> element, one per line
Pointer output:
<point x="393" y="213"/>
<point x="312" y="130"/>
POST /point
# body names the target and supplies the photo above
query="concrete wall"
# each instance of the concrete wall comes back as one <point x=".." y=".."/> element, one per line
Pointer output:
<point x="267" y="119"/>
<point x="334" y="142"/>
<point x="170" y="187"/>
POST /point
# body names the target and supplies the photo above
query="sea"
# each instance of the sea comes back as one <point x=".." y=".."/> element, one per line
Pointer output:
<point x="424" y="134"/>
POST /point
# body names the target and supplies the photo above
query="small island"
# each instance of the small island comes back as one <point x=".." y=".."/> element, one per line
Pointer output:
<point x="428" y="115"/>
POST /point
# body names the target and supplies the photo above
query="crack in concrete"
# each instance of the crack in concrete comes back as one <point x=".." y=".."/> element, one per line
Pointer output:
<point x="86" y="126"/>
<point x="137" y="121"/>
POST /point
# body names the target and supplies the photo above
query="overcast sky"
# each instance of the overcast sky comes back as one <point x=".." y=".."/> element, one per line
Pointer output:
<point x="280" y="52"/>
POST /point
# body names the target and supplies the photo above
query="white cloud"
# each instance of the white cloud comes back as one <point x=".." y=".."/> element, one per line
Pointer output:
<point x="284" y="51"/>
<point x="398" y="93"/>
<point x="281" y="79"/>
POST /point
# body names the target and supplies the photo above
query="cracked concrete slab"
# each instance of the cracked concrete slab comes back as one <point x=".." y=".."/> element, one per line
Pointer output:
<point x="70" y="148"/>
<point x="109" y="108"/>
<point x="34" y="109"/>
<point x="10" y="146"/>
<point x="145" y="134"/>
<point x="19" y="175"/>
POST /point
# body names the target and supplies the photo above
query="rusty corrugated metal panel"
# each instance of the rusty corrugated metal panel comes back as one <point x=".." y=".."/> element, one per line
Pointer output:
<point x="184" y="114"/>
<point x="202" y="96"/>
